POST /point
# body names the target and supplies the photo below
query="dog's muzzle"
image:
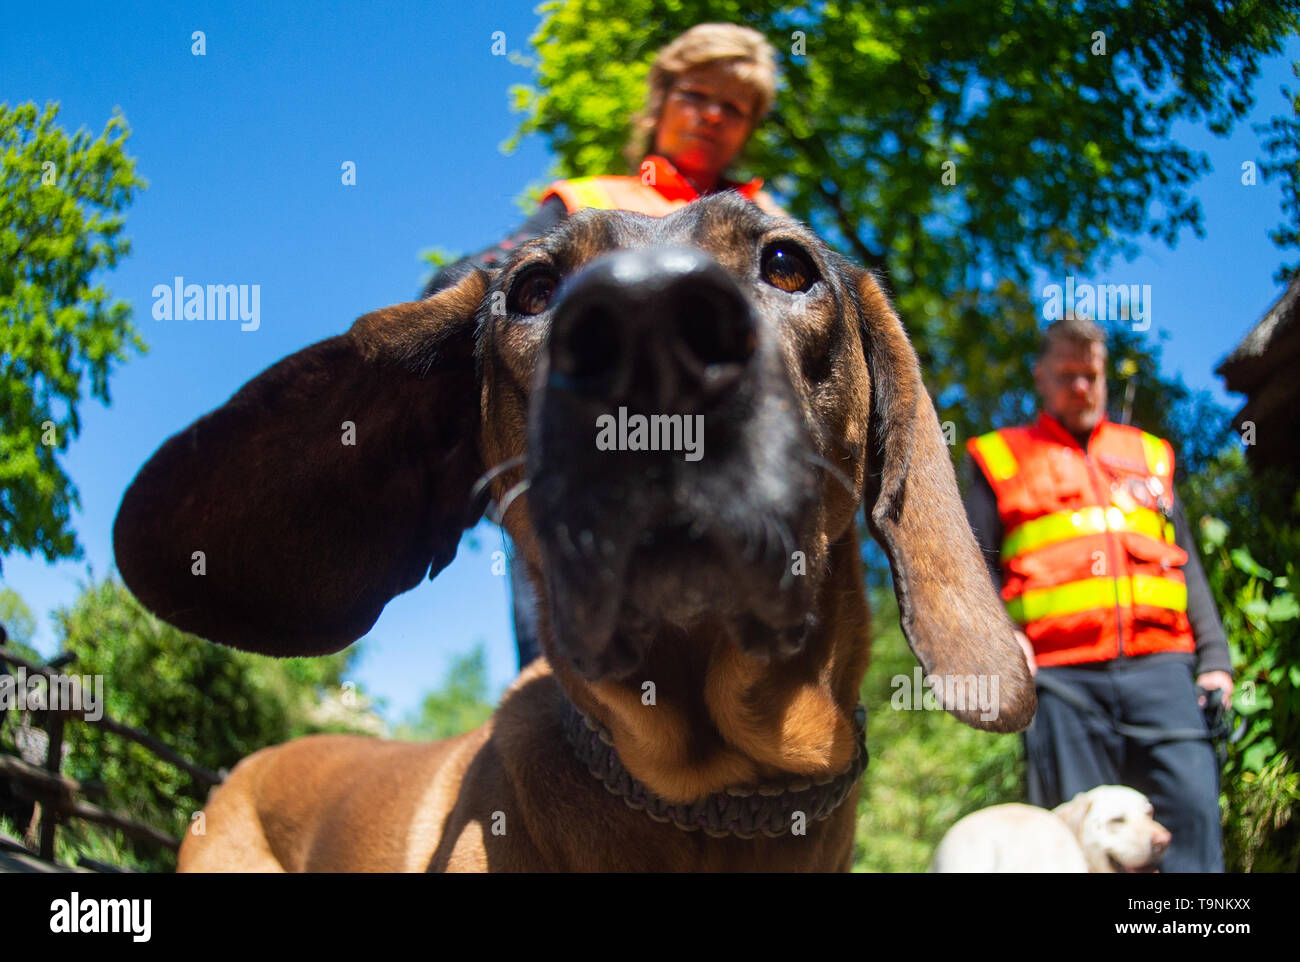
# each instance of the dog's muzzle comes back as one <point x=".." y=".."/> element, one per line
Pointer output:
<point x="667" y="472"/>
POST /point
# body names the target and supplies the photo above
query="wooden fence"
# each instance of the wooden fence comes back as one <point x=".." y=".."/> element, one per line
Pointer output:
<point x="57" y="797"/>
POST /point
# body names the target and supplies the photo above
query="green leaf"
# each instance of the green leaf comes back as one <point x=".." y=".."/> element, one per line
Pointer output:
<point x="1214" y="531"/>
<point x="1242" y="559"/>
<point x="1261" y="701"/>
<point x="1257" y="755"/>
<point x="1283" y="607"/>
<point x="1256" y="609"/>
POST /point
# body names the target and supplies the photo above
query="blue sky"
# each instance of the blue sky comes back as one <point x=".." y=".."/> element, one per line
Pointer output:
<point x="243" y="147"/>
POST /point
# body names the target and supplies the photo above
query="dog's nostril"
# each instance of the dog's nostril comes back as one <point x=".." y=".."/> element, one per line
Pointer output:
<point x="591" y="349"/>
<point x="715" y="329"/>
<point x="653" y="328"/>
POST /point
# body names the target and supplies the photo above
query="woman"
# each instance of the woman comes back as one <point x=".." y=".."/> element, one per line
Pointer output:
<point x="707" y="91"/>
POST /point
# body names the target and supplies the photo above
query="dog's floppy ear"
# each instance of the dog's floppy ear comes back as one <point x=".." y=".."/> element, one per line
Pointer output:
<point x="1073" y="812"/>
<point x="286" y="519"/>
<point x="950" y="614"/>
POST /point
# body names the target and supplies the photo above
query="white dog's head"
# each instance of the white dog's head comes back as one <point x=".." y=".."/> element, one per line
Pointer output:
<point x="1115" y="829"/>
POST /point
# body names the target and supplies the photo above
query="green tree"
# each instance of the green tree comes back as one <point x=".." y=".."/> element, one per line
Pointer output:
<point x="953" y="147"/>
<point x="17" y="620"/>
<point x="458" y="705"/>
<point x="60" y="222"/>
<point x="1250" y="539"/>
<point x="1282" y="142"/>
<point x="212" y="704"/>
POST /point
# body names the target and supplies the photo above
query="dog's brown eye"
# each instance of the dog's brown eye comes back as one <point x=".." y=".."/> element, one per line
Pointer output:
<point x="532" y="294"/>
<point x="787" y="267"/>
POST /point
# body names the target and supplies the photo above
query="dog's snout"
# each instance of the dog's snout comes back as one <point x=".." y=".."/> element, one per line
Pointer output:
<point x="658" y="329"/>
<point x="1160" y="839"/>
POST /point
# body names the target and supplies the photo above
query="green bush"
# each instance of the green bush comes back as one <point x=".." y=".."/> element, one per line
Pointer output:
<point x="927" y="769"/>
<point x="213" y="705"/>
<point x="1250" y="537"/>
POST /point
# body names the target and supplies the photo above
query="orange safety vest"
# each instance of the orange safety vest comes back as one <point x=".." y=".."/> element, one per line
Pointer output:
<point x="1089" y="565"/>
<point x="660" y="190"/>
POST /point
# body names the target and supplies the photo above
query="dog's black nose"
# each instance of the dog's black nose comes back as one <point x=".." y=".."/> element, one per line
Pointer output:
<point x="662" y="330"/>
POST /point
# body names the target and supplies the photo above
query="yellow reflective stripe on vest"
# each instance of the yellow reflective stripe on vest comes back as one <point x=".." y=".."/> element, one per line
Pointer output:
<point x="1064" y="525"/>
<point x="1155" y="452"/>
<point x="1077" y="596"/>
<point x="997" y="456"/>
<point x="590" y="193"/>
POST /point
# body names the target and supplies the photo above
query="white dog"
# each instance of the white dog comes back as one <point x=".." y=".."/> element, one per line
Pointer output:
<point x="1107" y="829"/>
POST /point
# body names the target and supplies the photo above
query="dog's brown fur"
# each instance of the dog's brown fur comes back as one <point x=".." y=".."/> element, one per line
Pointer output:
<point x="305" y="540"/>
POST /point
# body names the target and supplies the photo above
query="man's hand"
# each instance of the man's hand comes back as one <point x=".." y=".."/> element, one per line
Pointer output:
<point x="1215" y="679"/>
<point x="1028" y="649"/>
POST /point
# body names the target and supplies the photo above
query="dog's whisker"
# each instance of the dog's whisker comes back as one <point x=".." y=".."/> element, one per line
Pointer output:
<point x="833" y="471"/>
<point x="491" y="474"/>
<point x="747" y="551"/>
<point x="508" y="500"/>
<point x="787" y="552"/>
<point x="787" y="538"/>
<point x="766" y="542"/>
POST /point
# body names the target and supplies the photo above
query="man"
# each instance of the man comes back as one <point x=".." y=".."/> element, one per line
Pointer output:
<point x="1078" y="520"/>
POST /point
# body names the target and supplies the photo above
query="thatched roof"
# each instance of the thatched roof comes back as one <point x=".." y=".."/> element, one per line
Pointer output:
<point x="1257" y="356"/>
<point x="1266" y="368"/>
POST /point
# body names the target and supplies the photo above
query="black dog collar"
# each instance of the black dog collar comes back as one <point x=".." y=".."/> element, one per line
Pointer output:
<point x="741" y="811"/>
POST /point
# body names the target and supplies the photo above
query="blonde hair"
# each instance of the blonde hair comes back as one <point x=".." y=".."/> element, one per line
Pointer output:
<point x="746" y="53"/>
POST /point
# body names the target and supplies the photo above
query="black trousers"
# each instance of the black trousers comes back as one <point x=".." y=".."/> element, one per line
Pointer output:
<point x="1068" y="752"/>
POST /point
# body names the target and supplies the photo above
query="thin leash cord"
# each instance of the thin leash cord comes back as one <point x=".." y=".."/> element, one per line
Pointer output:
<point x="1069" y="694"/>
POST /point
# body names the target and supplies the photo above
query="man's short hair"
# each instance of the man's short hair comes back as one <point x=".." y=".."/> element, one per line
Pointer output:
<point x="1075" y="331"/>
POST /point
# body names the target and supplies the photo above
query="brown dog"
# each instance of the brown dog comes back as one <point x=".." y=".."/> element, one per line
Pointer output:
<point x="701" y="610"/>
